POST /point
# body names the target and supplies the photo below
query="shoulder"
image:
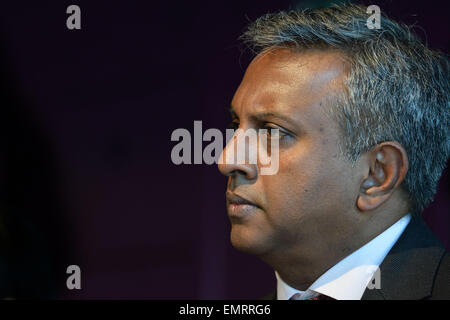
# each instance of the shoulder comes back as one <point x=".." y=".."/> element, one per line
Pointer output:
<point x="417" y="267"/>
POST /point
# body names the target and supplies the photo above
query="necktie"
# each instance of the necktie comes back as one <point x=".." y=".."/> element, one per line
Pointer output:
<point x="298" y="296"/>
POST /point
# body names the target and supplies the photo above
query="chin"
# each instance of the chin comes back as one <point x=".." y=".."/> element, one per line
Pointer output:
<point x="246" y="241"/>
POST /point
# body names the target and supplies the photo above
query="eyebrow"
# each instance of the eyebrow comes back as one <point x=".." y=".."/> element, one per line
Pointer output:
<point x="260" y="116"/>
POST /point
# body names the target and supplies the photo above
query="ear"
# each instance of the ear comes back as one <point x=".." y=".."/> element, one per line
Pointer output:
<point x="388" y="164"/>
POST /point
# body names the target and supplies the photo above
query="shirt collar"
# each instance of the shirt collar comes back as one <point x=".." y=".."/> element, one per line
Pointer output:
<point x="348" y="279"/>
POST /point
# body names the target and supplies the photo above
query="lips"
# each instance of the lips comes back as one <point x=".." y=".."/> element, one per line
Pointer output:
<point x="238" y="206"/>
<point x="233" y="198"/>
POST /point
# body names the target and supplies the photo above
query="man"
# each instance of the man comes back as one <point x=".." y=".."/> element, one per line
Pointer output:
<point x="363" y="122"/>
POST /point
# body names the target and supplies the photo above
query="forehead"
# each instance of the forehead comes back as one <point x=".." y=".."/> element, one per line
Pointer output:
<point x="289" y="82"/>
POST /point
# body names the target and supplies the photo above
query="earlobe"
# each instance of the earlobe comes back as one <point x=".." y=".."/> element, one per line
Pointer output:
<point x="388" y="164"/>
<point x="367" y="203"/>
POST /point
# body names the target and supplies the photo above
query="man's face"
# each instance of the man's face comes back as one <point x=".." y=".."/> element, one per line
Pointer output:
<point x="309" y="203"/>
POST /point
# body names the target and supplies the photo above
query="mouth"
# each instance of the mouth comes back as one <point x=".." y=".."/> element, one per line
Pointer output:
<point x="238" y="206"/>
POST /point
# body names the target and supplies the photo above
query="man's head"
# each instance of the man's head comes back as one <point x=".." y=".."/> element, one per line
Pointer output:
<point x="363" y="116"/>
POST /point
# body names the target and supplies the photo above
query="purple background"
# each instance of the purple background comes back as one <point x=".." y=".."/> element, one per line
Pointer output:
<point x="104" y="101"/>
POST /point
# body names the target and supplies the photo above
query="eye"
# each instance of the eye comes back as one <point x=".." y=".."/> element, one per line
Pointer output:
<point x="277" y="132"/>
<point x="284" y="136"/>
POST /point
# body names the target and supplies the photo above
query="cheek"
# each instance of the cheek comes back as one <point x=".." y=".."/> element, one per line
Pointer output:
<point x="306" y="183"/>
<point x="293" y="188"/>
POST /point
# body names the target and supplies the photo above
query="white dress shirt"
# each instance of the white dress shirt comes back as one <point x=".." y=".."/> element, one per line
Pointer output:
<point x="348" y="279"/>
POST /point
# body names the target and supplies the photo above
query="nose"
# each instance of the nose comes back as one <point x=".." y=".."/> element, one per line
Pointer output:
<point x="228" y="161"/>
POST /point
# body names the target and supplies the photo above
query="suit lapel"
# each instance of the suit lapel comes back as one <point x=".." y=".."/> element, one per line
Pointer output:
<point x="408" y="270"/>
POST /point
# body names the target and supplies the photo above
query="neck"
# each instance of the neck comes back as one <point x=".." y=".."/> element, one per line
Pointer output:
<point x="300" y="265"/>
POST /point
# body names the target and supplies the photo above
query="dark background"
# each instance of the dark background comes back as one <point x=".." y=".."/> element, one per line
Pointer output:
<point x="86" y="121"/>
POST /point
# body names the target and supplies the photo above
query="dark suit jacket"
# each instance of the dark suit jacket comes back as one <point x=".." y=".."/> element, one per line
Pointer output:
<point x="417" y="267"/>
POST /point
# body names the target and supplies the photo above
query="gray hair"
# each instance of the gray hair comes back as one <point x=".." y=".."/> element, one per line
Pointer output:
<point x="397" y="89"/>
